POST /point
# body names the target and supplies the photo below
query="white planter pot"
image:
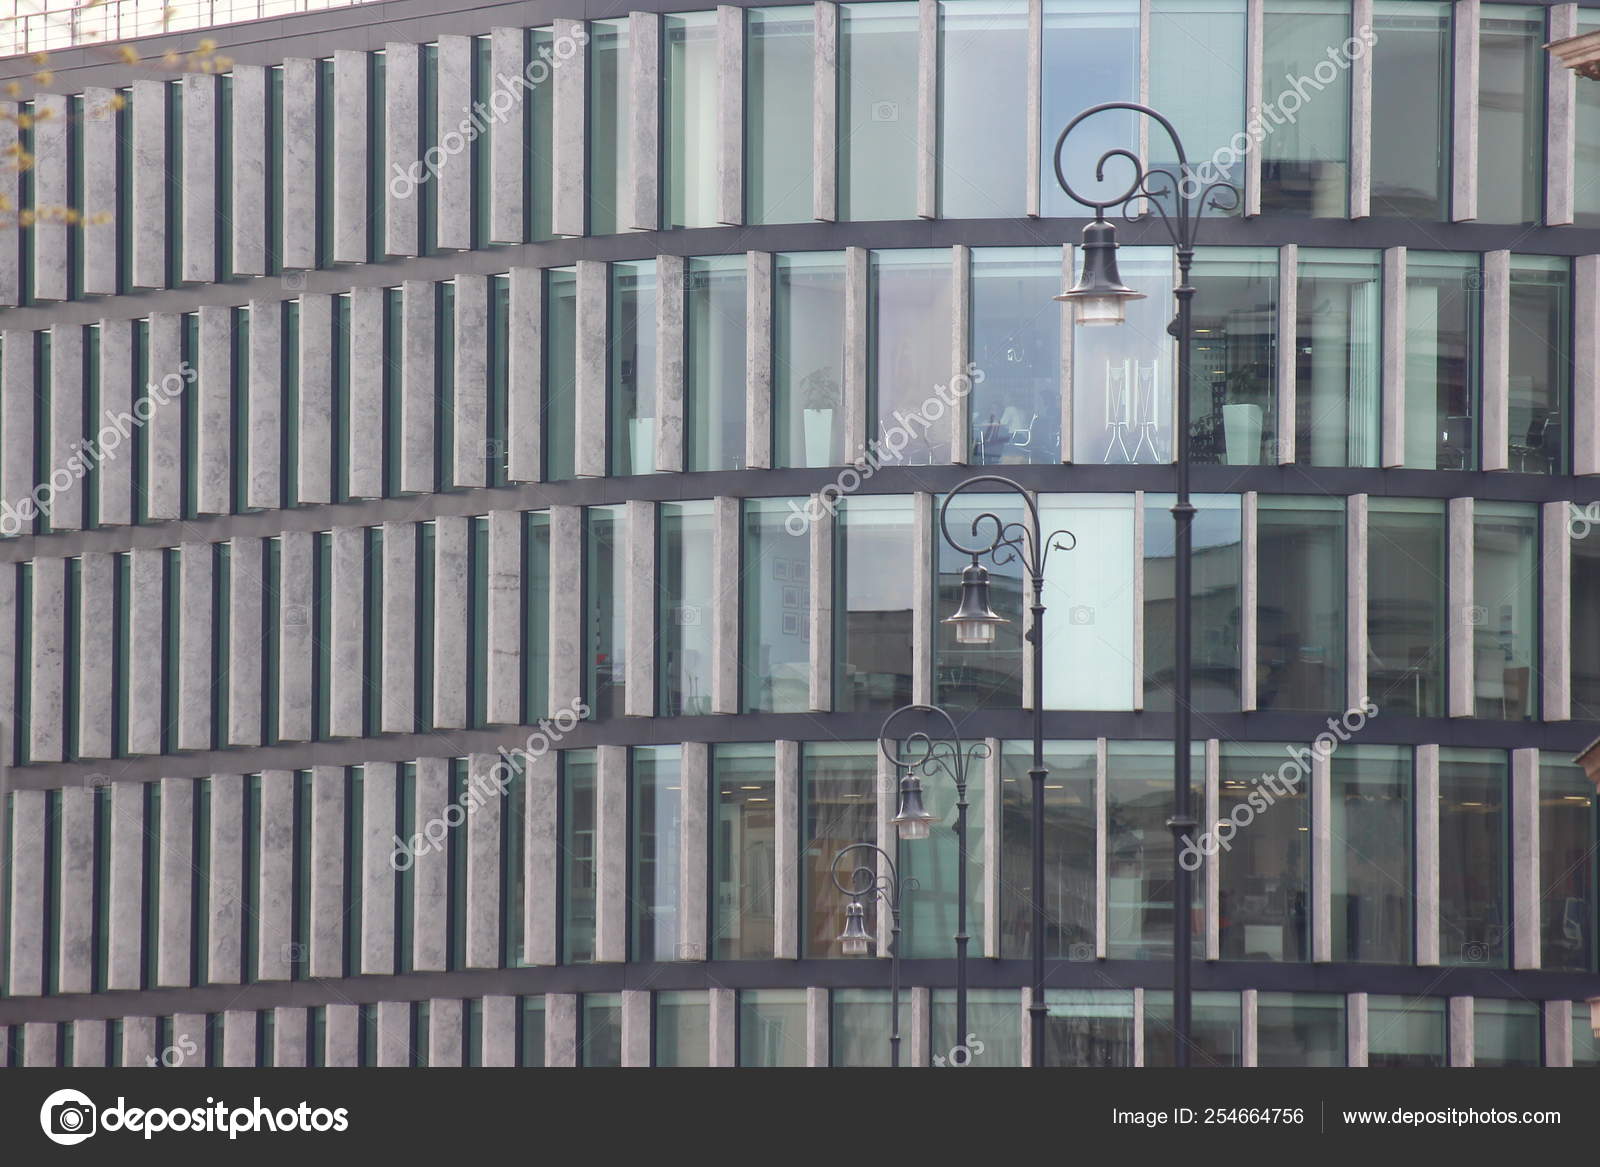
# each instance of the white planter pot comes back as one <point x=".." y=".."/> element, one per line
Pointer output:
<point x="819" y="437"/>
<point x="1241" y="431"/>
<point x="642" y="444"/>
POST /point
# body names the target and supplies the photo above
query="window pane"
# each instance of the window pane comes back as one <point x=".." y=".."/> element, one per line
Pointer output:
<point x="1506" y="1033"/>
<point x="1585" y="1044"/>
<point x="1567" y="838"/>
<point x="742" y="851"/>
<point x="1088" y="620"/>
<point x="1586" y="170"/>
<point x="1197" y="70"/>
<point x="929" y="912"/>
<point x="839" y="800"/>
<point x="877" y="110"/>
<point x="1214" y="1030"/>
<point x="1089" y="1027"/>
<point x="1411" y="63"/>
<point x="609" y="161"/>
<point x="1091" y="55"/>
<point x="1139" y="863"/>
<point x="604" y="569"/>
<point x="689" y="107"/>
<point x="994" y="1019"/>
<point x="684" y="615"/>
<point x="1300" y="1029"/>
<point x="1304" y="159"/>
<point x="1405" y="1031"/>
<point x="1370" y="828"/>
<point x="983" y="78"/>
<point x="656" y="817"/>
<point x="779" y="71"/>
<point x="808" y="359"/>
<point x="714" y="412"/>
<point x="1541" y="361"/>
<point x="861" y="1025"/>
<point x="577" y="845"/>
<point x="1443" y="298"/>
<point x="633" y="368"/>
<point x="1300" y="603"/>
<point x="772" y="1027"/>
<point x="602" y="1030"/>
<point x="1511" y="77"/>
<point x="1405" y="606"/>
<point x="1069" y="850"/>
<point x="1265" y="900"/>
<point x="910" y="302"/>
<point x="560" y="372"/>
<point x="873" y="604"/>
<point x="972" y="676"/>
<point x="1474" y="925"/>
<point x="1585" y="615"/>
<point x="1505" y="615"/>
<point x="683" y="1029"/>
<point x="1232" y="377"/>
<point x="1015" y="411"/>
<point x="776" y="659"/>
<point x="1336" y="367"/>
<point x="1217" y="564"/>
<point x="1122" y="377"/>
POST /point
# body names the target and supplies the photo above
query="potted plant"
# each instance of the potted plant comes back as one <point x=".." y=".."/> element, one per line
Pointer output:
<point x="1242" y="417"/>
<point x="819" y="397"/>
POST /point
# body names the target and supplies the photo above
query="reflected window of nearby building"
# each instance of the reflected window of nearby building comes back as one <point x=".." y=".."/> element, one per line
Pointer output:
<point x="1014" y="413"/>
<point x="1089" y="1027"/>
<point x="1122" y="377"/>
<point x="808" y="359"/>
<point x="1197" y="72"/>
<point x="1234" y="360"/>
<point x="1406" y="605"/>
<point x="1215" y="1030"/>
<point x="714" y="404"/>
<point x="1405" y="1031"/>
<point x="1091" y="55"/>
<point x="689" y="120"/>
<point x="632" y="448"/>
<point x="877" y="110"/>
<point x="656" y="819"/>
<point x="779" y="73"/>
<point x="578" y="825"/>
<point x="909" y="378"/>
<point x="1139" y="857"/>
<point x="1474" y="921"/>
<point x="1541" y="363"/>
<point x="1505" y="615"/>
<point x="838" y="784"/>
<point x="775" y="661"/>
<point x="874" y="602"/>
<point x="1216" y="583"/>
<point x="1370" y="825"/>
<point x="1336" y="363"/>
<point x="1305" y="161"/>
<point x="742" y="851"/>
<point x="600" y="1042"/>
<point x="1300" y="603"/>
<point x="1069" y="852"/>
<point x="978" y="676"/>
<point x="859" y="1029"/>
<point x="1567" y="866"/>
<point x="1411" y="61"/>
<point x="1511" y="81"/>
<point x="1300" y="1029"/>
<point x="683" y="615"/>
<point x="983" y="77"/>
<point x="1506" y="1033"/>
<point x="772" y="1027"/>
<point x="1443" y="303"/>
<point x="682" y="1029"/>
<point x="1264" y="909"/>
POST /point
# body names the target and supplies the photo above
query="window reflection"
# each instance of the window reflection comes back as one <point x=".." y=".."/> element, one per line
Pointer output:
<point x="775" y="660"/>
<point x="1264" y="905"/>
<point x="1091" y="55"/>
<point x="983" y="76"/>
<point x="1405" y="1031"/>
<point x="742" y="841"/>
<point x="1215" y="1029"/>
<point x="578" y="849"/>
<point x="873" y="605"/>
<point x="656" y="823"/>
<point x="1122" y="377"/>
<point x="1506" y="1033"/>
<point x="1217" y="566"/>
<point x="808" y="359"/>
<point x="1511" y="77"/>
<point x="910" y="302"/>
<point x="1411" y="62"/>
<point x="778" y="78"/>
<point x="877" y="110"/>
<point x="1474" y="925"/>
<point x="839" y="799"/>
<point x="1300" y="1029"/>
<point x="633" y="368"/>
<point x="1540" y="365"/>
<point x="1443" y="301"/>
<point x="714" y="409"/>
<point x="609" y="178"/>
<point x="1089" y="615"/>
<point x="605" y="595"/>
<point x="559" y="403"/>
<point x="1300" y="603"/>
<point x="1233" y="361"/>
<point x="772" y="1027"/>
<point x="684" y="608"/>
<point x="1015" y="411"/>
<point x="1089" y="1027"/>
<point x="1197" y="73"/>
<point x="689" y="116"/>
<point x="1505" y="614"/>
<point x="1370" y="831"/>
<point x="971" y="676"/>
<point x="1305" y="160"/>
<point x="1336" y="363"/>
<point x="1069" y="850"/>
<point x="1405" y="605"/>
<point x="1567" y="867"/>
<point x="1139" y="888"/>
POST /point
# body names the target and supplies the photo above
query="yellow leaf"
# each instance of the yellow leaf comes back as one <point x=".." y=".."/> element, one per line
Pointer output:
<point x="129" y="57"/>
<point x="117" y="101"/>
<point x="44" y="77"/>
<point x="41" y="58"/>
<point x="26" y="218"/>
<point x="208" y="46"/>
<point x="13" y="89"/>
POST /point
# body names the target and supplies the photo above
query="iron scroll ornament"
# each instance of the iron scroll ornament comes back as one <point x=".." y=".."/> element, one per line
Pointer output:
<point x="1011" y="541"/>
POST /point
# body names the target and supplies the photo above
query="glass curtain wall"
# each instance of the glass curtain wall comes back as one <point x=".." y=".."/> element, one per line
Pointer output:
<point x="1300" y="1029"/>
<point x="1586" y="133"/>
<point x="1122" y="408"/>
<point x="714" y="408"/>
<point x="779" y="74"/>
<point x="1474" y="921"/>
<point x="1541" y="363"/>
<point x="1089" y="616"/>
<point x="1215" y="1029"/>
<point x="1091" y="55"/>
<point x="655" y="818"/>
<point x="633" y="367"/>
<point x="1443" y="303"/>
<point x="1305" y="156"/>
<point x="1234" y="357"/>
<point x="873" y="604"/>
<point x="878" y="110"/>
<point x="1506" y="1033"/>
<point x="683" y="613"/>
<point x="1264" y="905"/>
<point x="775" y="661"/>
<point x="1567" y="867"/>
<point x="910" y="302"/>
<point x="609" y="178"/>
<point x="560" y="403"/>
<point x="983" y="79"/>
<point x="689" y="115"/>
<point x="1014" y="413"/>
<point x="1406" y="605"/>
<point x="1511" y="79"/>
<point x="808" y="359"/>
<point x="1412" y="56"/>
<point x="605" y="626"/>
<point x="1405" y="1031"/>
<point x="1505" y="610"/>
<point x="1197" y="72"/>
<point x="1216" y="591"/>
<point x="1139" y="907"/>
<point x="772" y="1027"/>
<point x="1337" y="405"/>
<point x="1069" y="850"/>
<point x="743" y="838"/>
<point x="1370" y="829"/>
<point x="1089" y="1027"/>
<point x="838" y="798"/>
<point x="1300" y="603"/>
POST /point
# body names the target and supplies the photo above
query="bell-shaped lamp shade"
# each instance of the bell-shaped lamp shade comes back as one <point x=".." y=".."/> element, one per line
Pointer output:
<point x="974" y="621"/>
<point x="1099" y="296"/>
<point x="855" y="940"/>
<point x="913" y="819"/>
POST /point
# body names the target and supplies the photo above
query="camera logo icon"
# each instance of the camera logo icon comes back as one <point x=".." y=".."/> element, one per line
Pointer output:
<point x="68" y="1117"/>
<point x="1080" y="614"/>
<point x="885" y="111"/>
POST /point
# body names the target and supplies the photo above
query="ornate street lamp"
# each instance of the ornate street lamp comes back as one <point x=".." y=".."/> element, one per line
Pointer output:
<point x="1179" y="199"/>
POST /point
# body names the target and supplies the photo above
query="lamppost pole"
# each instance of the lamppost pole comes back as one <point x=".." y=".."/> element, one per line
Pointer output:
<point x="856" y="940"/>
<point x="1178" y="197"/>
<point x="975" y="623"/>
<point x="946" y="755"/>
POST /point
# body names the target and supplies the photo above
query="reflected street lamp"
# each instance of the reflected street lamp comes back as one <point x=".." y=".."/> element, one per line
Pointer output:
<point x="868" y="882"/>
